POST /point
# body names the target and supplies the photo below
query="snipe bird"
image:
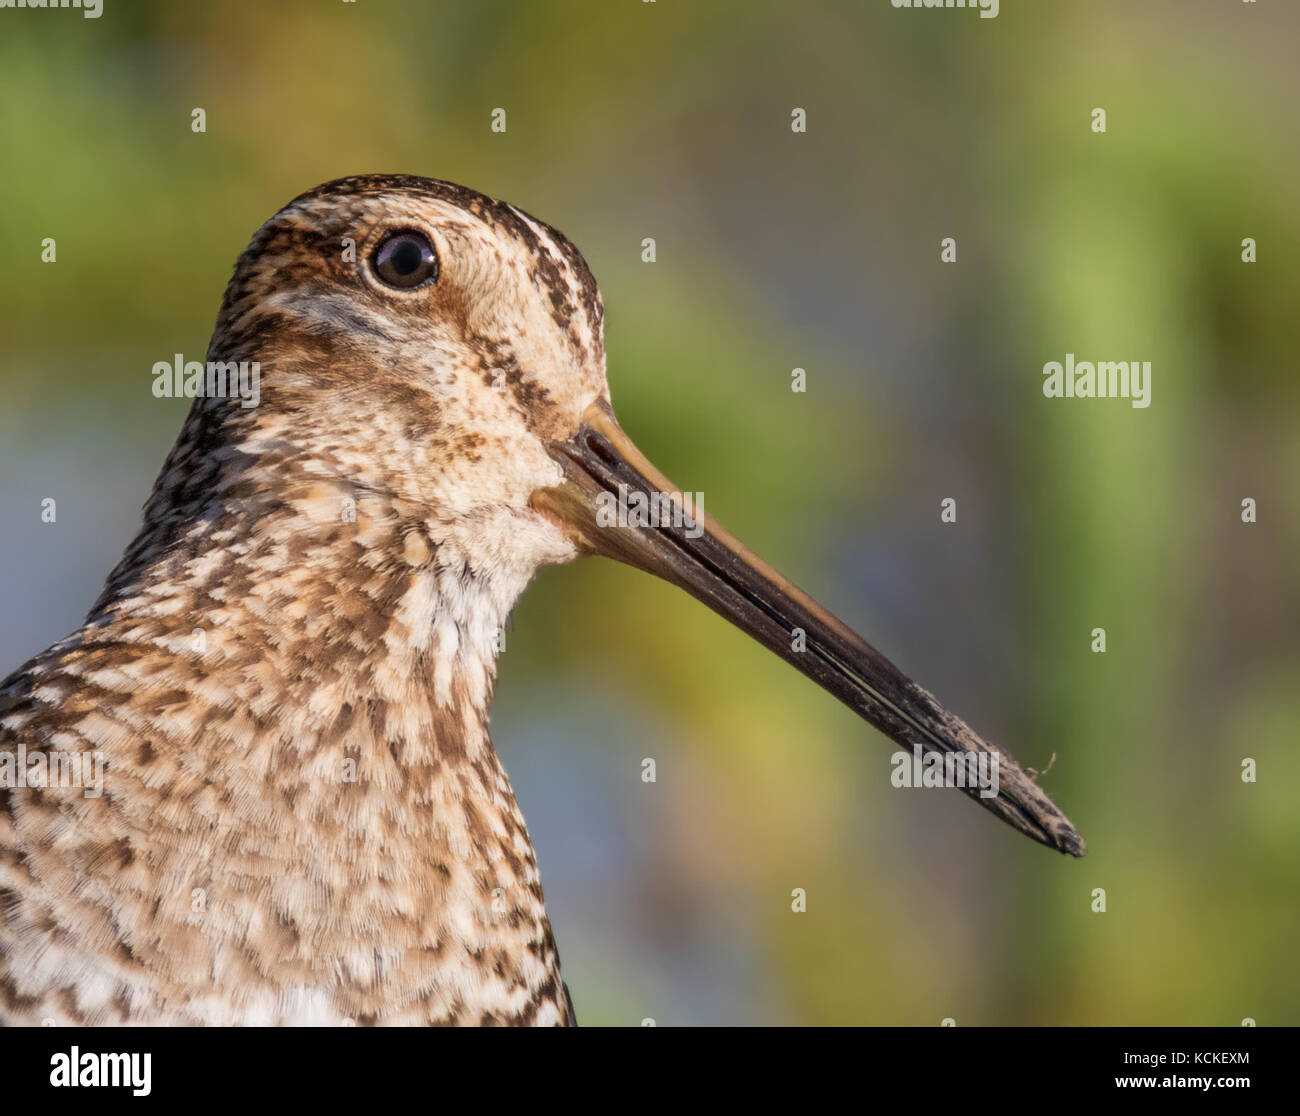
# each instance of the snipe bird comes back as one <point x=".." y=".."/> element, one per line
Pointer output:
<point x="302" y="819"/>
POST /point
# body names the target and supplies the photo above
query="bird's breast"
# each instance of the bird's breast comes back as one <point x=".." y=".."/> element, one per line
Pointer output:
<point x="358" y="876"/>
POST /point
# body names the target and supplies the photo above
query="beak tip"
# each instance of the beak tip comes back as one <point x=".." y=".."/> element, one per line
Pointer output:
<point x="1054" y="830"/>
<point x="1070" y="842"/>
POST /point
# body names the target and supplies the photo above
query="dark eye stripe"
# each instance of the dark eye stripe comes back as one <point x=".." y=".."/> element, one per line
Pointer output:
<point x="405" y="260"/>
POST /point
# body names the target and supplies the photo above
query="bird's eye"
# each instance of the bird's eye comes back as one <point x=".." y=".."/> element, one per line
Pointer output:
<point x="405" y="260"/>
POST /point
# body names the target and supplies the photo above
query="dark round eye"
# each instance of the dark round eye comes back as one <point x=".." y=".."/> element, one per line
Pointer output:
<point x="405" y="260"/>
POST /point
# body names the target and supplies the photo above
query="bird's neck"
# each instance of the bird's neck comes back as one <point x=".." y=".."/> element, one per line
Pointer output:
<point x="309" y="668"/>
<point x="293" y="581"/>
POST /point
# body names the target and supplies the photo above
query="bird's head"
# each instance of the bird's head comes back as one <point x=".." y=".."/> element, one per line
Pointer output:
<point x="419" y="341"/>
<point x="442" y="353"/>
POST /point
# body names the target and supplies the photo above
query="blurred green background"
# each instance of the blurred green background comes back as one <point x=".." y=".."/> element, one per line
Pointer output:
<point x="778" y="250"/>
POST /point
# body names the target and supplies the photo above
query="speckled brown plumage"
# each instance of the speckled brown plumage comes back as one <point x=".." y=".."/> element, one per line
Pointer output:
<point x="288" y="674"/>
<point x="303" y="818"/>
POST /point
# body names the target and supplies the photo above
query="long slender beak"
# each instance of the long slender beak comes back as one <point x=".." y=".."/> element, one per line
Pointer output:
<point x="617" y="504"/>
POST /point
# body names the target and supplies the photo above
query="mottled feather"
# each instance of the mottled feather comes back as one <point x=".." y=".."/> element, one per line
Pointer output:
<point x="288" y="673"/>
